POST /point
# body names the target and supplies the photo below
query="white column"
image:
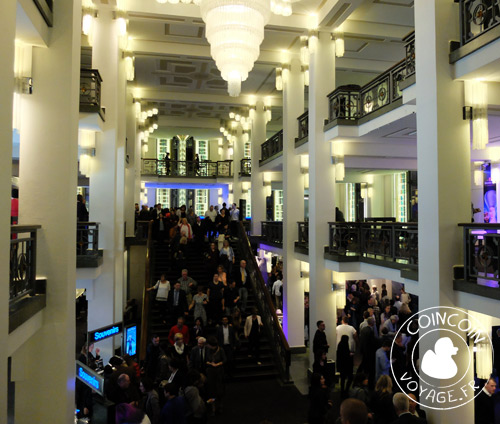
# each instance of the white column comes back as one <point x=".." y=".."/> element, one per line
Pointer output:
<point x="321" y="188"/>
<point x="132" y="179"/>
<point x="258" y="193"/>
<point x="107" y="180"/>
<point x="237" y="156"/>
<point x="293" y="197"/>
<point x="443" y="153"/>
<point x="8" y="24"/>
<point x="48" y="181"/>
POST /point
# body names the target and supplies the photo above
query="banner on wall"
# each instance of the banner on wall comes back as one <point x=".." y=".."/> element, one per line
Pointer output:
<point x="490" y="196"/>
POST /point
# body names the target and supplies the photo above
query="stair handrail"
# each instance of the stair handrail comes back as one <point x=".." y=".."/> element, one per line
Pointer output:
<point x="280" y="348"/>
<point x="145" y="297"/>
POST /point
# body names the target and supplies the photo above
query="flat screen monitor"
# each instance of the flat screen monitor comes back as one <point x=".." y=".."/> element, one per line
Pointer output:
<point x="130" y="340"/>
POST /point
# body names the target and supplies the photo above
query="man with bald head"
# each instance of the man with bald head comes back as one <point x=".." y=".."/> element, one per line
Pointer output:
<point x="414" y="407"/>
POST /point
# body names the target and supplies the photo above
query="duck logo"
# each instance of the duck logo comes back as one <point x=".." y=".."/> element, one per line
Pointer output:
<point x="440" y="343"/>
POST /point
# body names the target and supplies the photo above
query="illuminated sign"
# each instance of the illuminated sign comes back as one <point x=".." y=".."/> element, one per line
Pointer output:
<point x="90" y="378"/>
<point x="105" y="332"/>
<point x="130" y="340"/>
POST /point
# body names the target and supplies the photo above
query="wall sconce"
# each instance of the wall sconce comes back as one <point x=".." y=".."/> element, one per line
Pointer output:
<point x="313" y="41"/>
<point x="230" y="152"/>
<point x="306" y="181"/>
<point x="476" y="94"/>
<point x="339" y="171"/>
<point x="305" y="71"/>
<point x="121" y="20"/>
<point x="304" y="164"/>
<point x="338" y="36"/>
<point x="266" y="182"/>
<point x="88" y="15"/>
<point x="230" y="187"/>
<point x="129" y="65"/>
<point x="304" y="50"/>
<point x="279" y="79"/>
<point x="337" y="151"/>
<point x="245" y="186"/>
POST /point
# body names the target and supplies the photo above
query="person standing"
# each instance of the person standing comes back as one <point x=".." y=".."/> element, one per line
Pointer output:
<point x="278" y="291"/>
<point x="227" y="339"/>
<point x="319" y="342"/>
<point x="243" y="282"/>
<point x="162" y="288"/>
<point x="215" y="373"/>
<point x="167" y="163"/>
<point x="235" y="217"/>
<point x="253" y="324"/>
<point x="345" y="364"/>
<point x="484" y="404"/>
<point x="210" y="216"/>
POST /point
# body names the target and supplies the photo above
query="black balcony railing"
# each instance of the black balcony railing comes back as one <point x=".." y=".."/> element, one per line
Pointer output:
<point x="246" y="167"/>
<point x="352" y="102"/>
<point x="303" y="121"/>
<point x="482" y="253"/>
<point x="90" y="91"/>
<point x="387" y="241"/>
<point x="272" y="232"/>
<point x="87" y="245"/>
<point x="272" y="147"/>
<point x="477" y="17"/>
<point x="303" y="233"/>
<point x="22" y="261"/>
<point x="183" y="168"/>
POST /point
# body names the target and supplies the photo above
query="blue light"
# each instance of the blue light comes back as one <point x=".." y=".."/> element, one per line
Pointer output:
<point x="92" y="381"/>
<point x="103" y="334"/>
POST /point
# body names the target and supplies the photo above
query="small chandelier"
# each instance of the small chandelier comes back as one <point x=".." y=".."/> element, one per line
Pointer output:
<point x="235" y="31"/>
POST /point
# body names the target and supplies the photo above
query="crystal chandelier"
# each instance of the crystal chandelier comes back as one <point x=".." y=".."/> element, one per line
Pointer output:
<point x="235" y="31"/>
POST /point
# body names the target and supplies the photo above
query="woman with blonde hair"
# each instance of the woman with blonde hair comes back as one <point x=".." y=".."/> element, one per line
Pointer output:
<point x="381" y="402"/>
<point x="185" y="229"/>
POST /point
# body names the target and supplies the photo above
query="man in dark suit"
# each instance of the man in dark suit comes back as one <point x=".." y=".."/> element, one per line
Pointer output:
<point x="319" y="342"/>
<point x="484" y="404"/>
<point x="198" y="356"/>
<point x="177" y="302"/>
<point x="402" y="408"/>
<point x="227" y="339"/>
<point x="369" y="345"/>
<point x="242" y="279"/>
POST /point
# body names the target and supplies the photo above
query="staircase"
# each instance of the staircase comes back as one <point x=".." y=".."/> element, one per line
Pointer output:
<point x="245" y="368"/>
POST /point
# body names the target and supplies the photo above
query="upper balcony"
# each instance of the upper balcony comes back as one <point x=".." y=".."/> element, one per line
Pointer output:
<point x="480" y="274"/>
<point x="271" y="148"/>
<point x="88" y="254"/>
<point x="27" y="293"/>
<point x="246" y="167"/>
<point x="90" y="92"/>
<point x="187" y="169"/>
<point x="303" y="121"/>
<point x="477" y="54"/>
<point x="354" y="105"/>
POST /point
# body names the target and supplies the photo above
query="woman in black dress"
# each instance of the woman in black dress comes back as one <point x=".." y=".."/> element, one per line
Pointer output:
<point x="215" y="373"/>
<point x="344" y="365"/>
<point x="319" y="399"/>
<point x="215" y="295"/>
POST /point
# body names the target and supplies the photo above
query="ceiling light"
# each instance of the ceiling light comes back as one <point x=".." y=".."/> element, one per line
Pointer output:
<point x="338" y="35"/>
<point x="279" y="79"/>
<point x="155" y="111"/>
<point x="222" y="129"/>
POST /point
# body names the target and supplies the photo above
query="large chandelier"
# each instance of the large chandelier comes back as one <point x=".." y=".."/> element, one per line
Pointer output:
<point x="235" y="31"/>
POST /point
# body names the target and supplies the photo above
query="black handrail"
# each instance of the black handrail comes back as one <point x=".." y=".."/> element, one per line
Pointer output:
<point x="272" y="232"/>
<point x="393" y="241"/>
<point x="476" y="18"/>
<point x="145" y="298"/>
<point x="184" y="168"/>
<point x="272" y="146"/>
<point x="481" y="251"/>
<point x="303" y="121"/>
<point x="87" y="238"/>
<point x="90" y="91"/>
<point x="303" y="233"/>
<point x="22" y="271"/>
<point x="246" y="167"/>
<point x="279" y="344"/>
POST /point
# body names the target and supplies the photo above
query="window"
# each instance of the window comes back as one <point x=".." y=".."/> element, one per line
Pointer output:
<point x="201" y="202"/>
<point x="278" y="205"/>
<point x="202" y="149"/>
<point x="163" y="197"/>
<point x="401" y="197"/>
<point x="163" y="147"/>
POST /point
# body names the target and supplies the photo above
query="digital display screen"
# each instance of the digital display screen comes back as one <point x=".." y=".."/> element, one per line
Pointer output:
<point x="131" y="340"/>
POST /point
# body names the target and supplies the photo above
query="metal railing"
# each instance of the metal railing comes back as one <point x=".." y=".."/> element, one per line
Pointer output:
<point x="352" y="102"/>
<point x="87" y="238"/>
<point x="279" y="344"/>
<point x="90" y="91"/>
<point x="272" y="232"/>
<point x="303" y="234"/>
<point x="482" y="252"/>
<point x="22" y="274"/>
<point x="477" y="17"/>
<point x="246" y="167"/>
<point x="303" y="121"/>
<point x="145" y="297"/>
<point x="388" y="241"/>
<point x="272" y="146"/>
<point x="184" y="168"/>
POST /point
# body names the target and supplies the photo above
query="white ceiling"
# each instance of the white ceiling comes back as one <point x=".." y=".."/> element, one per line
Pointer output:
<point x="173" y="55"/>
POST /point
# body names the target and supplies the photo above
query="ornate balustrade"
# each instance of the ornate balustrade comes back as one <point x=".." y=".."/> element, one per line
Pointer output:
<point x="22" y="276"/>
<point x="246" y="167"/>
<point x="303" y="233"/>
<point x="303" y="122"/>
<point x="87" y="245"/>
<point x="272" y="232"/>
<point x="387" y="241"/>
<point x="190" y="169"/>
<point x="477" y="17"/>
<point x="272" y="147"/>
<point x="482" y="253"/>
<point x="352" y="102"/>
<point x="90" y="91"/>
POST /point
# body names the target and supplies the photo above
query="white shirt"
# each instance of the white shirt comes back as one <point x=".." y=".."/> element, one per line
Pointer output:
<point x="276" y="287"/>
<point x="347" y="330"/>
<point x="235" y="214"/>
<point x="211" y="214"/>
<point x="225" y="332"/>
<point x="163" y="290"/>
